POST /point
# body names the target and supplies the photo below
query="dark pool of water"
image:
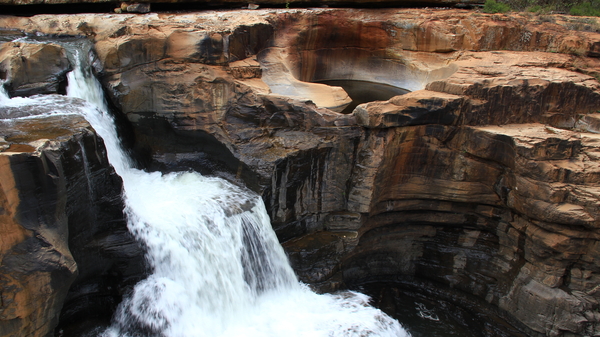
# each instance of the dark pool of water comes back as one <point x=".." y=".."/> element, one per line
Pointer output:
<point x="423" y="316"/>
<point x="420" y="315"/>
<point x="365" y="91"/>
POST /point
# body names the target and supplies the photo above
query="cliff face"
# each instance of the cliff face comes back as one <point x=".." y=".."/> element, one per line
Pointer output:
<point x="482" y="182"/>
<point x="37" y="267"/>
<point x="59" y="203"/>
<point x="66" y="252"/>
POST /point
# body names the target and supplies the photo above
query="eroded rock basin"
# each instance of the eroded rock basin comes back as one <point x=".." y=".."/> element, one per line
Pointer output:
<point x="483" y="180"/>
<point x="365" y="91"/>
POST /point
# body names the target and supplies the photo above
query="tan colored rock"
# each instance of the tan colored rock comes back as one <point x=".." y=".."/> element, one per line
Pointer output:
<point x="418" y="107"/>
<point x="33" y="68"/>
<point x="48" y="229"/>
<point x="281" y="82"/>
<point x="246" y="69"/>
<point x="37" y="267"/>
<point x="520" y="88"/>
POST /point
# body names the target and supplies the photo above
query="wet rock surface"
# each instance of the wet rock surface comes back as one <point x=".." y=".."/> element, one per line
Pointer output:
<point x="66" y="251"/>
<point x="480" y="186"/>
<point x="31" y="68"/>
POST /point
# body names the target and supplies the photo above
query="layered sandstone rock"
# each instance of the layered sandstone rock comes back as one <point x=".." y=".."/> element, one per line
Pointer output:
<point x="65" y="247"/>
<point x="481" y="184"/>
<point x="37" y="266"/>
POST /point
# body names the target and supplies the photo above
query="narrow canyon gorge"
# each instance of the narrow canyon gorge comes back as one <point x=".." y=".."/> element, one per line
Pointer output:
<point x="434" y="151"/>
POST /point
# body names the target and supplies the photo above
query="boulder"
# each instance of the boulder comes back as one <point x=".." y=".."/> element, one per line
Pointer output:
<point x="33" y="68"/>
<point x="66" y="251"/>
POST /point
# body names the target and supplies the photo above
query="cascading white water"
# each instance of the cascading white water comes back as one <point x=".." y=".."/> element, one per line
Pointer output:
<point x="217" y="267"/>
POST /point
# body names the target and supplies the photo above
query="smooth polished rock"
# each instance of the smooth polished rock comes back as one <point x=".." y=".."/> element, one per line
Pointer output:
<point x="33" y="68"/>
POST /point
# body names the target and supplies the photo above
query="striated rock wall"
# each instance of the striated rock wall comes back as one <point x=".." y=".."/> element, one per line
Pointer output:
<point x="66" y="252"/>
<point x="58" y="196"/>
<point x="480" y="184"/>
<point x="492" y="216"/>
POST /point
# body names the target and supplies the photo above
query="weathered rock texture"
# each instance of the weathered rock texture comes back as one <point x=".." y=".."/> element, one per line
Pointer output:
<point x="65" y="246"/>
<point x="32" y="69"/>
<point x="483" y="182"/>
<point x="266" y="3"/>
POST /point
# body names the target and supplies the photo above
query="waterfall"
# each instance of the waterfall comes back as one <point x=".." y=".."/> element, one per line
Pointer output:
<point x="217" y="267"/>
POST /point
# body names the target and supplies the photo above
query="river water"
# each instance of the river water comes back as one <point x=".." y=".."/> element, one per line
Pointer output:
<point x="217" y="267"/>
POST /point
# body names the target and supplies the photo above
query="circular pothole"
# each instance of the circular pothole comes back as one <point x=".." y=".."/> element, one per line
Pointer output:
<point x="339" y="79"/>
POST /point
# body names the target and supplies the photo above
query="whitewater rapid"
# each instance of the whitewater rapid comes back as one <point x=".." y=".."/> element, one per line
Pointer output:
<point x="217" y="267"/>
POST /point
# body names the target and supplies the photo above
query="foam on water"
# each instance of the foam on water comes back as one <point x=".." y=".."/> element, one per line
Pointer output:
<point x="39" y="105"/>
<point x="217" y="267"/>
